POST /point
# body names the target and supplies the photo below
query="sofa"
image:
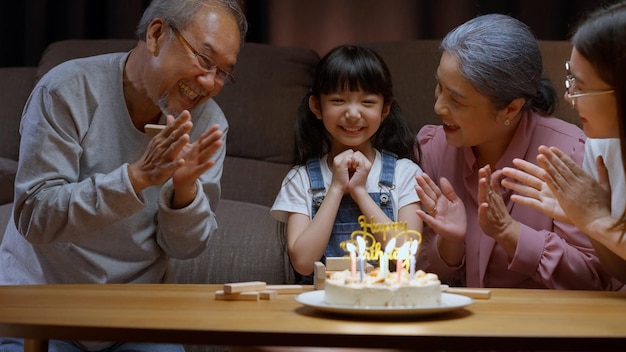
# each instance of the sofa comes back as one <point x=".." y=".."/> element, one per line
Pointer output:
<point x="261" y="109"/>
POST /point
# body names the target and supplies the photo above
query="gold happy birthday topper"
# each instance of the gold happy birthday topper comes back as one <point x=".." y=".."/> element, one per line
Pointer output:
<point x="373" y="248"/>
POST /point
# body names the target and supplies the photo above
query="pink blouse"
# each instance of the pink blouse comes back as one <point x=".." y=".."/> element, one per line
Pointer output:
<point x="549" y="254"/>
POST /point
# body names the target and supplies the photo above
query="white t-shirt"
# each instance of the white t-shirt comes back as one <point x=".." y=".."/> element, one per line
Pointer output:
<point x="610" y="150"/>
<point x="295" y="197"/>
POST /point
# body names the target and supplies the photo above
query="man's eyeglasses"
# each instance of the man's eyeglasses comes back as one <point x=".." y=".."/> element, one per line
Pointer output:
<point x="207" y="63"/>
<point x="572" y="90"/>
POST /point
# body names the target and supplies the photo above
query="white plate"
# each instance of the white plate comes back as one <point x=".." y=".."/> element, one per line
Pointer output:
<point x="449" y="302"/>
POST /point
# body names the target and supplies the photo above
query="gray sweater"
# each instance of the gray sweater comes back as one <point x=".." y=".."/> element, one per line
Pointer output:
<point x="76" y="216"/>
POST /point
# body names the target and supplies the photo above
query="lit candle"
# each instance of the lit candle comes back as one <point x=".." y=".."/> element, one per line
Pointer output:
<point x="412" y="258"/>
<point x="352" y="249"/>
<point x="361" y="242"/>
<point x="384" y="265"/>
<point x="402" y="253"/>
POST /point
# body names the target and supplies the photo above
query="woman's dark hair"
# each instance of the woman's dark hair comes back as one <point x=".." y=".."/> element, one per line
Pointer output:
<point x="601" y="39"/>
<point x="353" y="68"/>
<point x="500" y="57"/>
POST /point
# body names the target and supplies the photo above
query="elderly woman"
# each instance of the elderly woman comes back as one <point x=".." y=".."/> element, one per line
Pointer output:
<point x="494" y="103"/>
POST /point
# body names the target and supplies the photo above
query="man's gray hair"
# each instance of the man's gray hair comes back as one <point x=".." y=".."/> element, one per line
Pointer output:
<point x="180" y="13"/>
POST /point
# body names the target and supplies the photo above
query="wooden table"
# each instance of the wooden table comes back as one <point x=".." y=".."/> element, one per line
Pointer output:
<point x="511" y="318"/>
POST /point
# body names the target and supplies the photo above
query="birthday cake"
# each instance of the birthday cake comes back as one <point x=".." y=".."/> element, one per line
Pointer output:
<point x="375" y="290"/>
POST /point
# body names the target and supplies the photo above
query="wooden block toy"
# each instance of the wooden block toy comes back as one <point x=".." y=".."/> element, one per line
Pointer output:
<point x="268" y="294"/>
<point x="478" y="293"/>
<point x="319" y="270"/>
<point x="343" y="263"/>
<point x="319" y="283"/>
<point x="244" y="286"/>
<point x="337" y="263"/>
<point x="239" y="296"/>
<point x="285" y="289"/>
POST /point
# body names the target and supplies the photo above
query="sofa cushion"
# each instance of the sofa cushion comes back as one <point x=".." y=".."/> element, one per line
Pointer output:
<point x="248" y="245"/>
<point x="8" y="168"/>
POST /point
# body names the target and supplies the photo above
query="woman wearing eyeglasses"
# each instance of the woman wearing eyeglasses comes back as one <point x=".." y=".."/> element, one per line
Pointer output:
<point x="592" y="198"/>
<point x="494" y="103"/>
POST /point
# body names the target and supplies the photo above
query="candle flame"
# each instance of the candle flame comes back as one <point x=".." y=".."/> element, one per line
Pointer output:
<point x="351" y="247"/>
<point x="361" y="243"/>
<point x="413" y="247"/>
<point x="403" y="252"/>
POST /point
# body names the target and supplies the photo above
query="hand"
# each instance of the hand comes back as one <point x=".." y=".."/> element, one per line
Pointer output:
<point x="197" y="160"/>
<point x="445" y="212"/>
<point x="531" y="189"/>
<point x="163" y="155"/>
<point x="359" y="168"/>
<point x="341" y="170"/>
<point x="583" y="199"/>
<point x="493" y="216"/>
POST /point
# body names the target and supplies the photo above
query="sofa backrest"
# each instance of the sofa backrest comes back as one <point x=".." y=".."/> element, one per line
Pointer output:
<point x="15" y="85"/>
<point x="261" y="110"/>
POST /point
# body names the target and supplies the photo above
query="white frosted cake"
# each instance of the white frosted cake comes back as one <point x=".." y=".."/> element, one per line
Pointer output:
<point x="342" y="289"/>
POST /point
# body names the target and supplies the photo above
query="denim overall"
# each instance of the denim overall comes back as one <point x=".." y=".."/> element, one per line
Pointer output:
<point x="348" y="212"/>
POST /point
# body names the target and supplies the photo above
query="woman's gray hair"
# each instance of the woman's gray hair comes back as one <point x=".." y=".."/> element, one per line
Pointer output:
<point x="180" y="13"/>
<point x="500" y="57"/>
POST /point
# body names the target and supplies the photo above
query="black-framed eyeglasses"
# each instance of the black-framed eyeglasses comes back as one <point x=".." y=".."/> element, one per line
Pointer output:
<point x="206" y="62"/>
<point x="573" y="92"/>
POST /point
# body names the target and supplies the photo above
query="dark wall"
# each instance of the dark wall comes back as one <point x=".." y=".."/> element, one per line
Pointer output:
<point x="28" y="26"/>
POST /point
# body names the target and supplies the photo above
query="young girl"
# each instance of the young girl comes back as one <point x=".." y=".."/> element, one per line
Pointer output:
<point x="354" y="157"/>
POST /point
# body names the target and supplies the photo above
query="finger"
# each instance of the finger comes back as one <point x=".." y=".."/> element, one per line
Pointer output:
<point x="552" y="178"/>
<point x="494" y="183"/>
<point x="430" y="221"/>
<point x="214" y="130"/>
<point x="561" y="165"/>
<point x="447" y="190"/>
<point x="484" y="183"/>
<point x="432" y="185"/>
<point x="567" y="166"/>
<point x="427" y="201"/>
<point x="427" y="195"/>
<point x="206" y="149"/>
<point x="213" y="134"/>
<point x="181" y="124"/>
<point x="515" y="177"/>
<point x="521" y="199"/>
<point x="528" y="173"/>
<point x="528" y="167"/>
<point x="484" y="190"/>
<point x="427" y="188"/>
<point x="522" y="189"/>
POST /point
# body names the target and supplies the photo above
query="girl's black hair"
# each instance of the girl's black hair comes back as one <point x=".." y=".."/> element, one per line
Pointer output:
<point x="349" y="67"/>
<point x="601" y="39"/>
